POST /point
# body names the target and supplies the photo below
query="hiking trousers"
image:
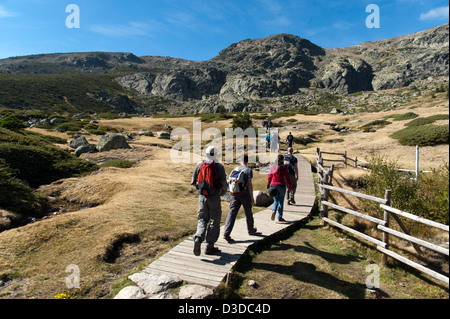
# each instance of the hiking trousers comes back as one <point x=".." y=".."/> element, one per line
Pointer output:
<point x="291" y="195"/>
<point x="209" y="216"/>
<point x="235" y="205"/>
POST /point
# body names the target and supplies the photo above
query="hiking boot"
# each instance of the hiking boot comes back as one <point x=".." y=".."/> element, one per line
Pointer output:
<point x="281" y="219"/>
<point x="197" y="244"/>
<point x="211" y="250"/>
<point x="273" y="215"/>
<point x="252" y="231"/>
<point x="289" y="202"/>
<point x="228" y="238"/>
<point x="293" y="201"/>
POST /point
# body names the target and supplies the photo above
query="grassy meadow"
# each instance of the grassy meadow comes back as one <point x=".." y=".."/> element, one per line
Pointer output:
<point x="120" y="219"/>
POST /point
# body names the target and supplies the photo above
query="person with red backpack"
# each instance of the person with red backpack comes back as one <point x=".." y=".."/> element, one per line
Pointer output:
<point x="211" y="182"/>
<point x="279" y="178"/>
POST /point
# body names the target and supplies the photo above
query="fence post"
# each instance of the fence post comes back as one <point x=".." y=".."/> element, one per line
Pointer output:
<point x="387" y="197"/>
<point x="345" y="159"/>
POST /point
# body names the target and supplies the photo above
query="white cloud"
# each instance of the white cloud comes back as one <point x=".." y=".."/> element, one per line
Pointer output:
<point x="435" y="14"/>
<point x="5" y="13"/>
<point x="132" y="29"/>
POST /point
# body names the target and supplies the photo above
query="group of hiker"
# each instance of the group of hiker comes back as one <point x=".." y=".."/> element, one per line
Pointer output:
<point x="210" y="179"/>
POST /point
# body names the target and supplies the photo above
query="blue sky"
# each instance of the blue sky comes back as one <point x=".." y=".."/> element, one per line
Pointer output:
<point x="199" y="29"/>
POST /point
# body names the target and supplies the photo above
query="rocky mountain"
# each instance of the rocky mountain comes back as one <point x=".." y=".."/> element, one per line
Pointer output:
<point x="400" y="61"/>
<point x="283" y="70"/>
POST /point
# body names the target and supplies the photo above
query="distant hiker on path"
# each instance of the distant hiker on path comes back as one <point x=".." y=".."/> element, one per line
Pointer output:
<point x="241" y="194"/>
<point x="279" y="176"/>
<point x="292" y="164"/>
<point x="289" y="139"/>
<point x="210" y="180"/>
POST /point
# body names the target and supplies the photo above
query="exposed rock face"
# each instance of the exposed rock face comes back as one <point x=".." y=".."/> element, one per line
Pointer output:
<point x="177" y="84"/>
<point x="251" y="71"/>
<point x="400" y="61"/>
<point x="111" y="142"/>
<point x="285" y="64"/>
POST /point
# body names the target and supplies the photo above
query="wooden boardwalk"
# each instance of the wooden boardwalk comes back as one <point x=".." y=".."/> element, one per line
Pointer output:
<point x="211" y="270"/>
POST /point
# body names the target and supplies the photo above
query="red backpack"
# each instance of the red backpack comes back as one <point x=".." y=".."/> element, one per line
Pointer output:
<point x="208" y="179"/>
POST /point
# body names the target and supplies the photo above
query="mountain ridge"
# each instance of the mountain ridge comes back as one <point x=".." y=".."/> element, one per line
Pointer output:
<point x="254" y="69"/>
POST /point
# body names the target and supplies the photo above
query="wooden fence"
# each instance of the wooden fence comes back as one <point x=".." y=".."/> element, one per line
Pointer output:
<point x="325" y="177"/>
<point x="356" y="163"/>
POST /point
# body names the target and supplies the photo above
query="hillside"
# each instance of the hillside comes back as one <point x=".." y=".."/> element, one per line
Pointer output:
<point x="280" y="72"/>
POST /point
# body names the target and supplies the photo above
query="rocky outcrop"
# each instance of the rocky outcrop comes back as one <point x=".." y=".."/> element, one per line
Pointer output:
<point x="344" y="75"/>
<point x="111" y="142"/>
<point x="253" y="74"/>
<point x="180" y="85"/>
<point x="284" y="65"/>
<point x="400" y="61"/>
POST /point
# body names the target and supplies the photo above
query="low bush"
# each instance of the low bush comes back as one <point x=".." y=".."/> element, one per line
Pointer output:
<point x="427" y="120"/>
<point x="28" y="161"/>
<point x="427" y="197"/>
<point x="374" y="125"/>
<point x="403" y="117"/>
<point x="428" y="135"/>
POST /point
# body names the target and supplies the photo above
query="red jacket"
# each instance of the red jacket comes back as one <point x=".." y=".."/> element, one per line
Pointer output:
<point x="279" y="176"/>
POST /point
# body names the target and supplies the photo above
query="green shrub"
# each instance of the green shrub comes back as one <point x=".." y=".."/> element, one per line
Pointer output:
<point x="427" y="120"/>
<point x="243" y="121"/>
<point x="37" y="161"/>
<point x="17" y="196"/>
<point x="427" y="197"/>
<point x="374" y="125"/>
<point x="403" y="117"/>
<point x="12" y="122"/>
<point x="429" y="135"/>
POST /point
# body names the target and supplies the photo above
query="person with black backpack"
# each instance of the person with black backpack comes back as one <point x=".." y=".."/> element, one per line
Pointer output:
<point x="292" y="163"/>
<point x="211" y="182"/>
<point x="241" y="194"/>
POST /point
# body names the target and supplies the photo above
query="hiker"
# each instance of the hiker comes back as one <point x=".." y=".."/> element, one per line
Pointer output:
<point x="269" y="124"/>
<point x="292" y="164"/>
<point x="268" y="140"/>
<point x="241" y="194"/>
<point x="279" y="177"/>
<point x="289" y="139"/>
<point x="210" y="180"/>
<point x="264" y="124"/>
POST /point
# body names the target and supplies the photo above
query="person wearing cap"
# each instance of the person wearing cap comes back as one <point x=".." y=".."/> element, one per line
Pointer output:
<point x="209" y="207"/>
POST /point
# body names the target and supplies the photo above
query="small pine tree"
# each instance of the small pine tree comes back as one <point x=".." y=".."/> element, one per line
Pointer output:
<point x="243" y="121"/>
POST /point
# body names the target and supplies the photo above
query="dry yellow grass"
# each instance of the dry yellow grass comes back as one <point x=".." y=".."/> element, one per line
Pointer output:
<point x="152" y="205"/>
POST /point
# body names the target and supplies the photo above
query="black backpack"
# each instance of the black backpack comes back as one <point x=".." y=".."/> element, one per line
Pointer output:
<point x="289" y="161"/>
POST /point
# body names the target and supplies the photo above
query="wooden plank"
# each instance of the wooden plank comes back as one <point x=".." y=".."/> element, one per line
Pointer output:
<point x="210" y="270"/>
<point x="412" y="239"/>
<point x="203" y="264"/>
<point x="354" y="213"/>
<point x="191" y="271"/>
<point x="187" y="278"/>
<point x="185" y="272"/>
<point x="345" y="191"/>
<point x="355" y="232"/>
<point x="415" y="218"/>
<point x="414" y="265"/>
